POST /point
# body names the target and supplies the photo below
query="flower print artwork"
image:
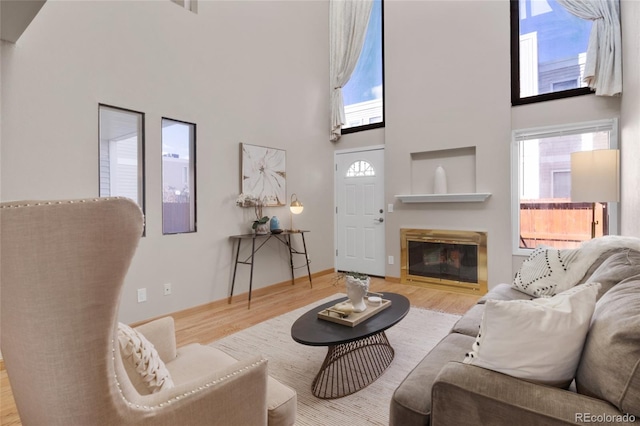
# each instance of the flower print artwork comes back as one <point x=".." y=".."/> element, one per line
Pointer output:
<point x="264" y="174"/>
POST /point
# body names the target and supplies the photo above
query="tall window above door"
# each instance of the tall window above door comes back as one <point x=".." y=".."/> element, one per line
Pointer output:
<point x="121" y="153"/>
<point x="178" y="177"/>
<point x="548" y="52"/>
<point x="364" y="92"/>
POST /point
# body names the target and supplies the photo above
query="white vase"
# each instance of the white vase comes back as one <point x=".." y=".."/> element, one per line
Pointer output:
<point x="440" y="181"/>
<point x="262" y="228"/>
<point x="356" y="291"/>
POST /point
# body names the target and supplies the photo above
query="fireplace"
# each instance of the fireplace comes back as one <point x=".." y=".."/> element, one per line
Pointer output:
<point x="446" y="260"/>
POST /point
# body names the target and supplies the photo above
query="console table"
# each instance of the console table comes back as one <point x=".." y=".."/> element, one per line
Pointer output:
<point x="284" y="237"/>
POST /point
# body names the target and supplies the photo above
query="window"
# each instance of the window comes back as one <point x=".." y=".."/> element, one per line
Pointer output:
<point x="543" y="212"/>
<point x="121" y="152"/>
<point x="360" y="168"/>
<point x="178" y="177"/>
<point x="548" y="51"/>
<point x="363" y="94"/>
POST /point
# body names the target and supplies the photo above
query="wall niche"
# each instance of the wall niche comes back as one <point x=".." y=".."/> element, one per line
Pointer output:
<point x="458" y="163"/>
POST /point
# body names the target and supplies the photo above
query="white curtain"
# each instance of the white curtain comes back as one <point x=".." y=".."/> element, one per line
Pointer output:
<point x="603" y="69"/>
<point x="348" y="21"/>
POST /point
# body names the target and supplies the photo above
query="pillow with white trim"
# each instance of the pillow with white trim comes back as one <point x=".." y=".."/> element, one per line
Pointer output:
<point x="539" y="340"/>
<point x="543" y="272"/>
<point x="142" y="361"/>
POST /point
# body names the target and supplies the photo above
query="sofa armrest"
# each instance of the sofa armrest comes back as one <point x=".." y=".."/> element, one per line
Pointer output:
<point x="465" y="394"/>
<point x="235" y="395"/>
<point x="162" y="334"/>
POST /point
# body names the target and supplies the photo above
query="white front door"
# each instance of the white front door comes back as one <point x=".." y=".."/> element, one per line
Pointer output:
<point x="360" y="226"/>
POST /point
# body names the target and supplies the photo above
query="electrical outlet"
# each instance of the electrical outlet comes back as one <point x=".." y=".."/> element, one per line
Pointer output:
<point x="167" y="289"/>
<point x="391" y="260"/>
<point x="142" y="295"/>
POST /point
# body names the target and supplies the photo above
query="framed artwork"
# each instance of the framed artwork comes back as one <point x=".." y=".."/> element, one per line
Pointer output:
<point x="264" y="174"/>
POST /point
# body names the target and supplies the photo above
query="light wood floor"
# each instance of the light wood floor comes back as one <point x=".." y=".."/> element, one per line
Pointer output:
<point x="211" y="322"/>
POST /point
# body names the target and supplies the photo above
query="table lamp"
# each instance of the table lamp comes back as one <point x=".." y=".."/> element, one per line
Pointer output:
<point x="595" y="178"/>
<point x="295" y="207"/>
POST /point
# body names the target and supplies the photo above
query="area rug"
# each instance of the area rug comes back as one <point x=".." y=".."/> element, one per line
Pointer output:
<point x="296" y="365"/>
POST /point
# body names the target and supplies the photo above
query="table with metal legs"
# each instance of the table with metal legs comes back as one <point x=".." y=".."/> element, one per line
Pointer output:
<point x="356" y="356"/>
<point x="284" y="237"/>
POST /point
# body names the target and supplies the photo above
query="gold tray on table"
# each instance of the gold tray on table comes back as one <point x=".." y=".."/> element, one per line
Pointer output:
<point x="355" y="318"/>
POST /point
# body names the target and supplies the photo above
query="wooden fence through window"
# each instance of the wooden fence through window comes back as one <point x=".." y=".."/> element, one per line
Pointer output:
<point x="559" y="224"/>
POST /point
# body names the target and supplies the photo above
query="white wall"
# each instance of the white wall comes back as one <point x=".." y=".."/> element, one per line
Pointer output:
<point x="447" y="86"/>
<point x="257" y="72"/>
<point x="250" y="71"/>
<point x="630" y="119"/>
<point x="447" y="78"/>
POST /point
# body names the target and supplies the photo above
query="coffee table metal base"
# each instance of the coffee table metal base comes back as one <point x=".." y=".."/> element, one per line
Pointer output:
<point x="349" y="367"/>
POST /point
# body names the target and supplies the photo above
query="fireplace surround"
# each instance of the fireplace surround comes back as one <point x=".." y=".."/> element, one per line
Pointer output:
<point x="443" y="259"/>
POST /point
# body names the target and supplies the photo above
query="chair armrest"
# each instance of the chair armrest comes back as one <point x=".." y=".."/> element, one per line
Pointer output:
<point x="162" y="334"/>
<point x="236" y="395"/>
<point x="466" y="394"/>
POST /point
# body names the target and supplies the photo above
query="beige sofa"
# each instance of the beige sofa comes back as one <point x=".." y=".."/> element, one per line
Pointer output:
<point x="442" y="390"/>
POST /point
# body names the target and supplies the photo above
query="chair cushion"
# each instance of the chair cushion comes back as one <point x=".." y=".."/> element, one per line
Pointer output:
<point x="141" y="360"/>
<point x="191" y="359"/>
<point x="538" y="340"/>
<point x="610" y="365"/>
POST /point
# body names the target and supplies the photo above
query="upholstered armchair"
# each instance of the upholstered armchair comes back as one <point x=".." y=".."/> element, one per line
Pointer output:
<point x="63" y="265"/>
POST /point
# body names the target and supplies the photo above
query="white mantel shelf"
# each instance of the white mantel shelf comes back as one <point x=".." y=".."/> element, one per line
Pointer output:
<point x="479" y="197"/>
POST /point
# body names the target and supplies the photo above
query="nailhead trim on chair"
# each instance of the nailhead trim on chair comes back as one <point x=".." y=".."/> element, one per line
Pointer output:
<point x="13" y="206"/>
<point x="184" y="395"/>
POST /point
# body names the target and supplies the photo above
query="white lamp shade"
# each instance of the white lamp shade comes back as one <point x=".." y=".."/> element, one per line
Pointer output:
<point x="296" y="206"/>
<point x="595" y="175"/>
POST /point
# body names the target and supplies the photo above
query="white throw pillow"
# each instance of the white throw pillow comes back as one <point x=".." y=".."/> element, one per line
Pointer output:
<point x="544" y="272"/>
<point x="140" y="354"/>
<point x="538" y="340"/>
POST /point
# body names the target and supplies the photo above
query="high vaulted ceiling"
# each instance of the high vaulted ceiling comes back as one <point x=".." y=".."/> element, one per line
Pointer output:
<point x="16" y="16"/>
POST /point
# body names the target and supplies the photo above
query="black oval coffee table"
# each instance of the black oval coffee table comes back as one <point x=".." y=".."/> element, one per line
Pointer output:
<point x="356" y="356"/>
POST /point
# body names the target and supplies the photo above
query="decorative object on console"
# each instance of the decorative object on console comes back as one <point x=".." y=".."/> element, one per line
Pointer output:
<point x="274" y="225"/>
<point x="264" y="174"/>
<point x="440" y="181"/>
<point x="295" y="207"/>
<point x="539" y="340"/>
<point x="595" y="178"/>
<point x="260" y="225"/>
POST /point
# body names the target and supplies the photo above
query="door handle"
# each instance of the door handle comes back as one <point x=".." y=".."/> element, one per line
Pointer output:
<point x="379" y="220"/>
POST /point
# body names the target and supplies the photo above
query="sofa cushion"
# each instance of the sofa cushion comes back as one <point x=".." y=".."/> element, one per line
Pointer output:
<point x="187" y="366"/>
<point x="504" y="292"/>
<point x="610" y="365"/>
<point x="617" y="267"/>
<point x="543" y="272"/>
<point x="538" y="340"/>
<point x="598" y="262"/>
<point x="469" y="324"/>
<point x="411" y="401"/>
<point x="145" y="369"/>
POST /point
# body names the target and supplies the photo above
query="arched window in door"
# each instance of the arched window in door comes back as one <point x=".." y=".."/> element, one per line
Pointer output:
<point x="360" y="168"/>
